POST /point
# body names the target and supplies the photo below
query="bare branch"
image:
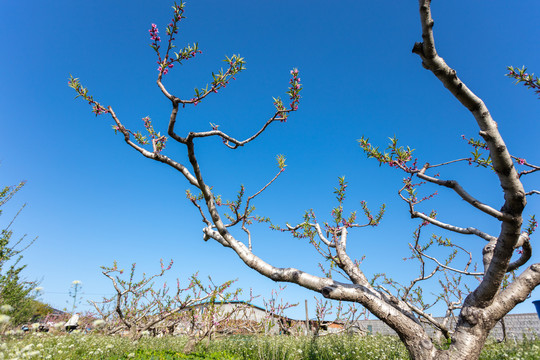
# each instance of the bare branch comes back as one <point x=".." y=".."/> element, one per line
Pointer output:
<point x="454" y="185"/>
<point x="457" y="229"/>
<point x="229" y="139"/>
<point x="526" y="253"/>
<point x="450" y="268"/>
<point x="155" y="155"/>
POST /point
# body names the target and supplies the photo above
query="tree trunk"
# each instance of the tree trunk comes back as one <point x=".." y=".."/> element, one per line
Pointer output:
<point x="467" y="344"/>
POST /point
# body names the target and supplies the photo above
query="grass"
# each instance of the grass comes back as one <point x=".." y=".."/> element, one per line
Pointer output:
<point x="78" y="346"/>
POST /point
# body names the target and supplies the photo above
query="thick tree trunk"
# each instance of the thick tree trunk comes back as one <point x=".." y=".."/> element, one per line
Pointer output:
<point x="466" y="344"/>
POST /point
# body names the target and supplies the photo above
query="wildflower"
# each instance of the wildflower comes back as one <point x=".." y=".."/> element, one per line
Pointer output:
<point x="131" y="355"/>
<point x="6" y="308"/>
<point x="4" y="319"/>
<point x="76" y="282"/>
<point x="98" y="323"/>
<point x="521" y="161"/>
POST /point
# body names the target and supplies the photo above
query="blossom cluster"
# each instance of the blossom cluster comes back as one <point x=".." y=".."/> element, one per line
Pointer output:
<point x="294" y="89"/>
<point x="167" y="62"/>
<point x="521" y="76"/>
<point x="294" y="96"/>
<point x="158" y="140"/>
<point x="533" y="224"/>
<point x="97" y="108"/>
<point x="281" y="110"/>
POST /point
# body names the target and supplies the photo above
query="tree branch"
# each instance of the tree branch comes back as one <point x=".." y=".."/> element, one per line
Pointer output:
<point x="514" y="193"/>
<point x="454" y="185"/>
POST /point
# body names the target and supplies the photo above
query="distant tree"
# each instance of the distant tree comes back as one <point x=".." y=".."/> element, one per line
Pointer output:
<point x="14" y="290"/>
<point x="41" y="310"/>
<point x="138" y="306"/>
<point x="403" y="307"/>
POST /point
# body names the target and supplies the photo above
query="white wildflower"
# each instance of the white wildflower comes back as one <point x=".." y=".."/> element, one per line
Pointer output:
<point x="99" y="323"/>
<point x="6" y="308"/>
<point x="4" y="319"/>
<point x="58" y="325"/>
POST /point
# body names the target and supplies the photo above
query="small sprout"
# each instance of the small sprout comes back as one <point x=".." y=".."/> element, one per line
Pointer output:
<point x="281" y="161"/>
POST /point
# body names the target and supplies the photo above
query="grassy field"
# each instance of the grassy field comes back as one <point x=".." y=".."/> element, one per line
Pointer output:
<point x="77" y="346"/>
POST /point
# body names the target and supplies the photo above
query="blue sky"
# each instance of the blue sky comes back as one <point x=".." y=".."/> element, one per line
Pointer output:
<point x="91" y="199"/>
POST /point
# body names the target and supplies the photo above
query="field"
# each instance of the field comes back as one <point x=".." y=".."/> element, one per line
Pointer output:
<point x="79" y="346"/>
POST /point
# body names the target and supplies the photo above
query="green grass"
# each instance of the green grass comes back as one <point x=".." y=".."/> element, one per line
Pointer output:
<point x="323" y="348"/>
<point x="77" y="346"/>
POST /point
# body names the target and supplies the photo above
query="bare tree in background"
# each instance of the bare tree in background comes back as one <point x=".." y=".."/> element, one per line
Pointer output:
<point x="138" y="306"/>
<point x="476" y="310"/>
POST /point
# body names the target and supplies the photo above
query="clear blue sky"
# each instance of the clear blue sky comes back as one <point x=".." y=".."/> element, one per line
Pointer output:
<point x="91" y="199"/>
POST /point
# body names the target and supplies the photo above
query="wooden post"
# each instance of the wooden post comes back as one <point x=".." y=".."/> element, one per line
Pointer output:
<point x="307" y="320"/>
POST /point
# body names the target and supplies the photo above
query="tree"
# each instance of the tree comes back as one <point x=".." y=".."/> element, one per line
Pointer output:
<point x="137" y="307"/>
<point x="476" y="311"/>
<point x="15" y="292"/>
